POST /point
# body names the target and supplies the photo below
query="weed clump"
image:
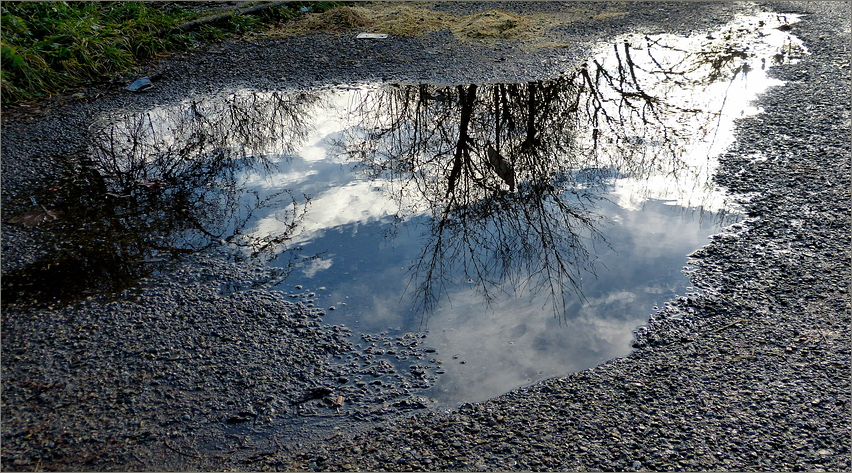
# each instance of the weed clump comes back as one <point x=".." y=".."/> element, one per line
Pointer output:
<point x="49" y="47"/>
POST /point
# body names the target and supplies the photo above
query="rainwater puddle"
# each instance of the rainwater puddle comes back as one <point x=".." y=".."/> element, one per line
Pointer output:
<point x="526" y="228"/>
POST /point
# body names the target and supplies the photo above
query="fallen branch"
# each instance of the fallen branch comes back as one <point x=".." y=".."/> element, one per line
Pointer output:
<point x="225" y="15"/>
<point x="729" y="325"/>
<point x="310" y="414"/>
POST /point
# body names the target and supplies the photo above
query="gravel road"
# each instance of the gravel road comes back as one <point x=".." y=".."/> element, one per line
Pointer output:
<point x="202" y="368"/>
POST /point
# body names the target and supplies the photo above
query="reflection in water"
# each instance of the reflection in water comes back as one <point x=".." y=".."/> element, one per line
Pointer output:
<point x="204" y="149"/>
<point x="478" y="206"/>
<point x="154" y="187"/>
<point x="509" y="171"/>
<point x="515" y="344"/>
<point x="490" y="164"/>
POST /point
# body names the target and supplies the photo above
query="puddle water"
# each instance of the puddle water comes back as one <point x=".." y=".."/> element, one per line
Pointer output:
<point x="526" y="228"/>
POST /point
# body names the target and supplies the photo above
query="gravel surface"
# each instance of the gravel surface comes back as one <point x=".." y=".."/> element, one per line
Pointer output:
<point x="188" y="363"/>
<point x="202" y="368"/>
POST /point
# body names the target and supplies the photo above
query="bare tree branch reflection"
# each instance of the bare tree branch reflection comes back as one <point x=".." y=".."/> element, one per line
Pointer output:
<point x="510" y="172"/>
<point x="494" y="179"/>
<point x="162" y="184"/>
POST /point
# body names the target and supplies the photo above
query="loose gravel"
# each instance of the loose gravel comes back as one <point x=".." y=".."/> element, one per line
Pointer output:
<point x="185" y="364"/>
<point x="189" y="370"/>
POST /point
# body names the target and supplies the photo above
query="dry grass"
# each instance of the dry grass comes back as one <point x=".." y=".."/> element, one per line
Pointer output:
<point x="491" y="24"/>
<point x="408" y="19"/>
<point x="397" y="19"/>
<point x="336" y="19"/>
<point x="418" y="18"/>
<point x="404" y="19"/>
<point x="609" y="14"/>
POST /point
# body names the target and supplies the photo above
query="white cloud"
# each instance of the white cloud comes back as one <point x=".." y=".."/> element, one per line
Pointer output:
<point x="314" y="266"/>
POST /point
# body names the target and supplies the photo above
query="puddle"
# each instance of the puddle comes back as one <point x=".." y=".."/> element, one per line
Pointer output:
<point x="527" y="228"/>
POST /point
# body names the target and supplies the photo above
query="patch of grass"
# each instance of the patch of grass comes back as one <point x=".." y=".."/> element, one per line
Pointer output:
<point x="50" y="47"/>
<point x="396" y="18"/>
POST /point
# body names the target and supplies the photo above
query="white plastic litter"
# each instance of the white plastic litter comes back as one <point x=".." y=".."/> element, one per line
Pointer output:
<point x="371" y="36"/>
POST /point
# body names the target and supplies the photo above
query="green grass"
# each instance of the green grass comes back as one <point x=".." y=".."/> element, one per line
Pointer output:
<point x="51" y="47"/>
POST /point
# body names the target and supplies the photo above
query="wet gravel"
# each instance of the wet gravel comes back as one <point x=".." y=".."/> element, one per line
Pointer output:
<point x="202" y="368"/>
<point x="198" y="362"/>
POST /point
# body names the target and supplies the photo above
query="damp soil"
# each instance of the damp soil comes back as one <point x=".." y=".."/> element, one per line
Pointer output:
<point x="194" y="363"/>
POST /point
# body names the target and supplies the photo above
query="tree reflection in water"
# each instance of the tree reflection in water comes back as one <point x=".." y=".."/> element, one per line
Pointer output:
<point x="507" y="173"/>
<point x="510" y="172"/>
<point x="153" y="188"/>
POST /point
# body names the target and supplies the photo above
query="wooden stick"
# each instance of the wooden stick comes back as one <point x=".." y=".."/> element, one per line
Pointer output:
<point x="729" y="325"/>
<point x="228" y="14"/>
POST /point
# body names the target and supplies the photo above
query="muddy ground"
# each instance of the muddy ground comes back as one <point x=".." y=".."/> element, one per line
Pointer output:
<point x="202" y="368"/>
